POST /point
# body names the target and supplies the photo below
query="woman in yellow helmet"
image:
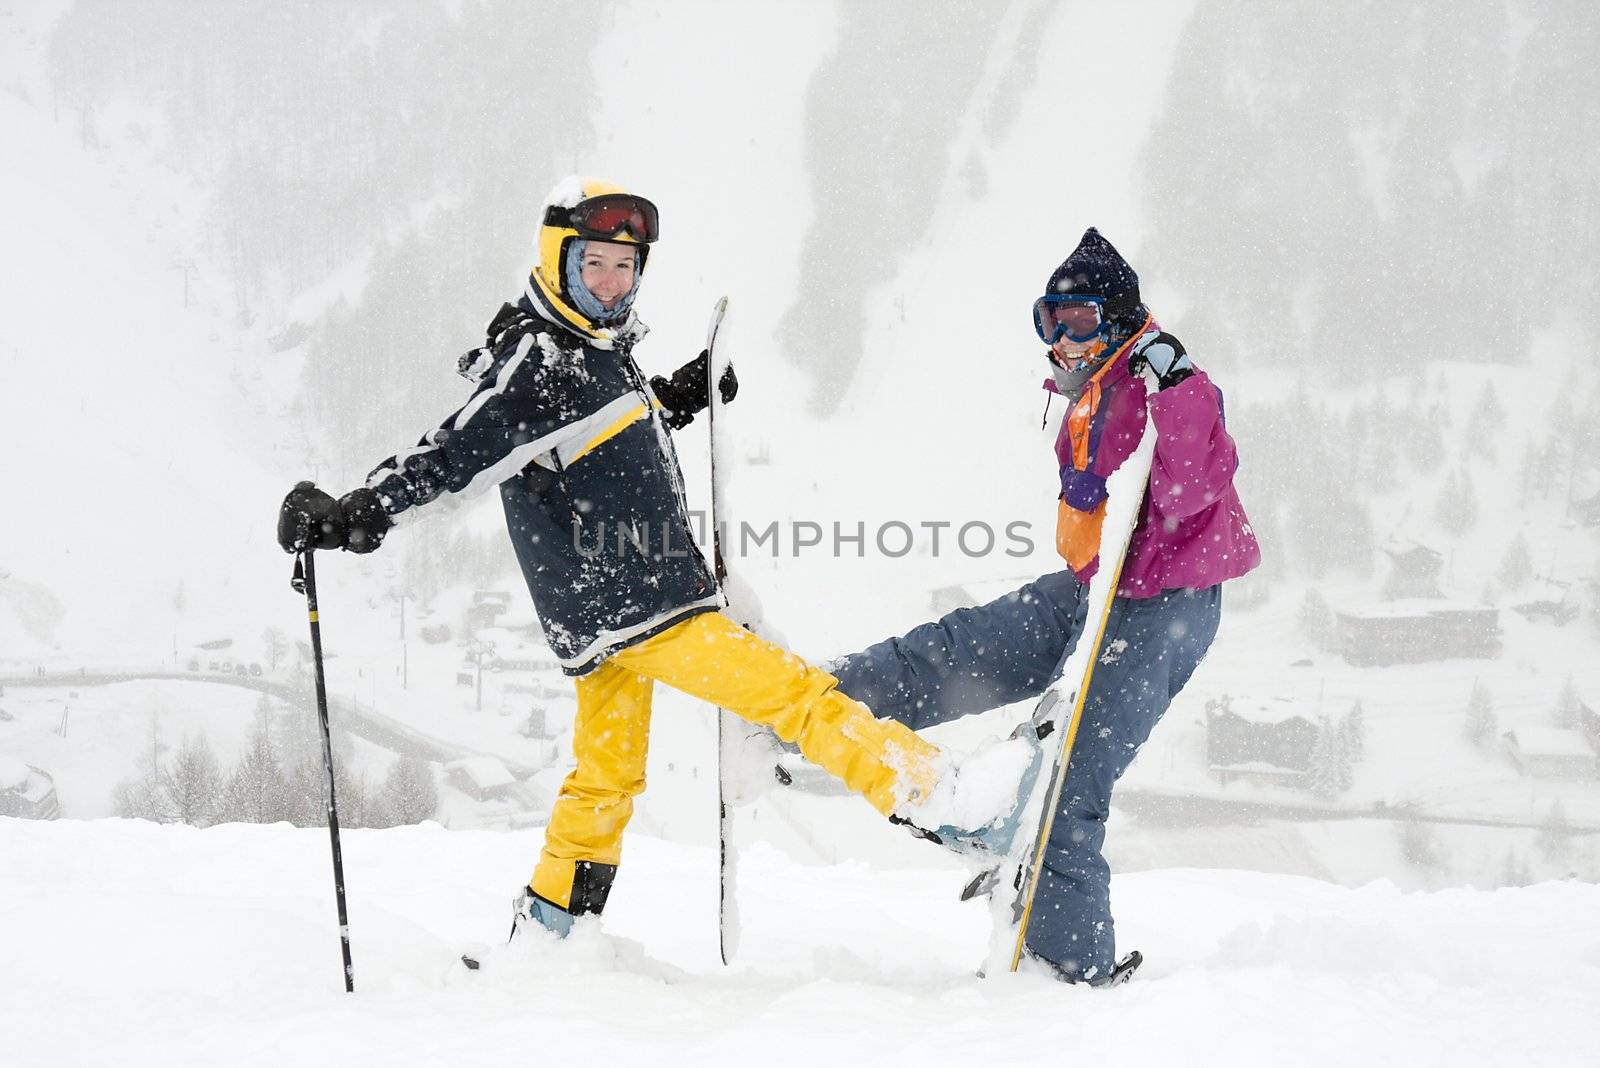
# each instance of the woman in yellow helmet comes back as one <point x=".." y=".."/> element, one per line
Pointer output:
<point x="565" y="424"/>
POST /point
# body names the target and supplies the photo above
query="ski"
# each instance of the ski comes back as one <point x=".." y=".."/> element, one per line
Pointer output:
<point x="1013" y="884"/>
<point x="473" y="958"/>
<point x="727" y="725"/>
<point x="980" y="884"/>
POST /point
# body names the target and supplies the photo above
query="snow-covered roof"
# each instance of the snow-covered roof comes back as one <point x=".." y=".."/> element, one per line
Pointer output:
<point x="1545" y="590"/>
<point x="1549" y="741"/>
<point x="486" y="772"/>
<point x="1258" y="767"/>
<point x="521" y="619"/>
<point x="13" y="772"/>
<point x="1268" y="710"/>
<point x="1410" y="608"/>
<point x="1401" y="547"/>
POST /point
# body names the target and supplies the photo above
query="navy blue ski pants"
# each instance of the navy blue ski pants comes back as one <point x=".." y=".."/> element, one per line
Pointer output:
<point x="976" y="659"/>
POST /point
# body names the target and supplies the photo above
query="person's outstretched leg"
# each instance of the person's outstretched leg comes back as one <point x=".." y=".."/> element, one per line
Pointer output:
<point x="1151" y="648"/>
<point x="610" y="739"/>
<point x="711" y="657"/>
<point x="969" y="660"/>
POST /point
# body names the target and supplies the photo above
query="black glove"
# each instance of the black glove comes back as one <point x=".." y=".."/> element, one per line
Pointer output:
<point x="311" y="519"/>
<point x="685" y="393"/>
<point x="365" y="521"/>
<point x="1165" y="355"/>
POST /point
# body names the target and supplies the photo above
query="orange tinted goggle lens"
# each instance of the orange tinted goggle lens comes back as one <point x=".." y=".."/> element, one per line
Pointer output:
<point x="1077" y="318"/>
<point x="1070" y="317"/>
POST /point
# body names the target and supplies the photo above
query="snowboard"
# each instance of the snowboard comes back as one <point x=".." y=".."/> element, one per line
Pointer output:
<point x="1014" y="883"/>
<point x="748" y="755"/>
<point x="729" y="727"/>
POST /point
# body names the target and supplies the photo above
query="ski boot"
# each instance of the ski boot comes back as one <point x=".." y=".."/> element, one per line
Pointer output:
<point x="527" y="910"/>
<point x="1119" y="974"/>
<point x="976" y="808"/>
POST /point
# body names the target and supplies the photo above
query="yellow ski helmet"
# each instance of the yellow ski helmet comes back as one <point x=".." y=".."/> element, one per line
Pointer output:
<point x="586" y="209"/>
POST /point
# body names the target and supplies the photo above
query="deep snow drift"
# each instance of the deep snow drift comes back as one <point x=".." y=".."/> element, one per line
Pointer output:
<point x="134" y="943"/>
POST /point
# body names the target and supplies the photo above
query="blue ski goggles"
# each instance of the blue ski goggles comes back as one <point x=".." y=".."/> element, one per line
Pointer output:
<point x="1076" y="317"/>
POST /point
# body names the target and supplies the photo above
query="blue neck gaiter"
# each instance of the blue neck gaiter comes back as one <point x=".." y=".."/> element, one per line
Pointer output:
<point x="585" y="301"/>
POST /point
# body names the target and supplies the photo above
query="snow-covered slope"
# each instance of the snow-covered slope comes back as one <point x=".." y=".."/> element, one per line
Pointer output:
<point x="139" y="944"/>
<point x="156" y="445"/>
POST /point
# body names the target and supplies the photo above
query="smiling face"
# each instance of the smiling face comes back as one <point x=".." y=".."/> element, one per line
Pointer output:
<point x="607" y="270"/>
<point x="1071" y="353"/>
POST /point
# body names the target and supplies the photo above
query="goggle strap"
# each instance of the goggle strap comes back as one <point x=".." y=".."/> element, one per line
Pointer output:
<point x="642" y="210"/>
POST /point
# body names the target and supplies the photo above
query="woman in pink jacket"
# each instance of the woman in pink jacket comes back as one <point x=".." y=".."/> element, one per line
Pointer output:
<point x="1192" y="535"/>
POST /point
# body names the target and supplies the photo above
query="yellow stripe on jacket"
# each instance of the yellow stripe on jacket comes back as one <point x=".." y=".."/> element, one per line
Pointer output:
<point x="627" y="419"/>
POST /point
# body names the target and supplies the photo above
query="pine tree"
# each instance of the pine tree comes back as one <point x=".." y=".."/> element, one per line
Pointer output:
<point x="1427" y="443"/>
<point x="144" y="797"/>
<point x="306" y="807"/>
<point x="1382" y="459"/>
<point x="1536" y="474"/>
<point x="307" y="789"/>
<point x="1515" y="871"/>
<point x="1487" y="414"/>
<point x="1419" y="844"/>
<point x="257" y="791"/>
<point x="1481" y="724"/>
<point x="1554" y="841"/>
<point x="1483" y="428"/>
<point x="277" y="644"/>
<point x="1330" y="772"/>
<point x="296" y="733"/>
<point x="193" y="783"/>
<point x="139" y="798"/>
<point x="1353" y="728"/>
<point x="1566" y="712"/>
<point x="410" y="793"/>
<point x="356" y="806"/>
<point x="1516" y="567"/>
<point x="1457" y="506"/>
<point x="1562" y="418"/>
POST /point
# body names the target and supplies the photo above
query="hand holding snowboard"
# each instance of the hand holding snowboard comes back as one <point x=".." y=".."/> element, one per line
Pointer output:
<point x="688" y="390"/>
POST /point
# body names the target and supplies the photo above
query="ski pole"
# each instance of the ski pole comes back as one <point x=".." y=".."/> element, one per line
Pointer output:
<point x="305" y="581"/>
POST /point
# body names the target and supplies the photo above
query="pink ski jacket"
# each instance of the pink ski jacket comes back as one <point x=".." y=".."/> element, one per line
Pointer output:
<point x="1192" y="530"/>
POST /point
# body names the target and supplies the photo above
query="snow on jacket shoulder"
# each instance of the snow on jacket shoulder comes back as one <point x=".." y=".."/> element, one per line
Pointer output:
<point x="593" y="496"/>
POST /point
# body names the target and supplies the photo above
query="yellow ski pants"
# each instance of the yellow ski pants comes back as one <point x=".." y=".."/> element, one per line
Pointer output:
<point x="711" y="657"/>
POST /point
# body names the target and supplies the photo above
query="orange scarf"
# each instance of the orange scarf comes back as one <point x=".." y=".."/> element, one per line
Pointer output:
<point x="1078" y="533"/>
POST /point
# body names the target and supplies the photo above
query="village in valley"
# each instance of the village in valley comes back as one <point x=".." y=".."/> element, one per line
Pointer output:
<point x="1406" y="706"/>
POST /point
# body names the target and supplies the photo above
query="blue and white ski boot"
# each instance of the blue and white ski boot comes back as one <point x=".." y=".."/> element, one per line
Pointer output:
<point x="976" y="808"/>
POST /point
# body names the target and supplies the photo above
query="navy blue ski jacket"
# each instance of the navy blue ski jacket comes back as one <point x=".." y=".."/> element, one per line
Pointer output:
<point x="574" y="437"/>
